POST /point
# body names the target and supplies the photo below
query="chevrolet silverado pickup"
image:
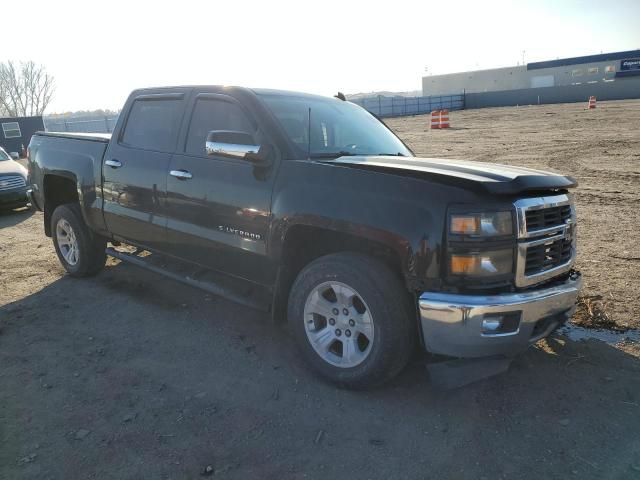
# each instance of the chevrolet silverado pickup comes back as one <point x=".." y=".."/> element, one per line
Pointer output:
<point x="312" y="209"/>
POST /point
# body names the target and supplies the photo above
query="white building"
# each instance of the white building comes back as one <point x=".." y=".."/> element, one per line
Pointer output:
<point x="592" y="69"/>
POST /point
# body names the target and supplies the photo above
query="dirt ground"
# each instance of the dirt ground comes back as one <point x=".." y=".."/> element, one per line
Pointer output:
<point x="128" y="375"/>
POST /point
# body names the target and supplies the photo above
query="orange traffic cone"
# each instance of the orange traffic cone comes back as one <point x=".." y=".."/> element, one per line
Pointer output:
<point x="592" y="102"/>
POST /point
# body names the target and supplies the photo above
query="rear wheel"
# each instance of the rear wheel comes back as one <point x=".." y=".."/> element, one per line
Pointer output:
<point x="352" y="319"/>
<point x="80" y="251"/>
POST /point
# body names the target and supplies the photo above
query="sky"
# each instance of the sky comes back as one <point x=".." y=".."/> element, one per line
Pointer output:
<point x="99" y="51"/>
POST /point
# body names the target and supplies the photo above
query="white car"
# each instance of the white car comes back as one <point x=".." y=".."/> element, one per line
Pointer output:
<point x="13" y="183"/>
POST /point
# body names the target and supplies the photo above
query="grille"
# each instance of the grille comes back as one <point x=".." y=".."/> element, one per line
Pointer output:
<point x="547" y="217"/>
<point x="11" y="182"/>
<point x="546" y="238"/>
<point x="546" y="256"/>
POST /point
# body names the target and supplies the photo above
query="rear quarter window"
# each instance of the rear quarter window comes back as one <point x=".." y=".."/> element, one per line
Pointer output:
<point x="153" y="124"/>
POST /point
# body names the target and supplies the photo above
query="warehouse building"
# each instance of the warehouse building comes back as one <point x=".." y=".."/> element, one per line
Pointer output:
<point x="610" y="75"/>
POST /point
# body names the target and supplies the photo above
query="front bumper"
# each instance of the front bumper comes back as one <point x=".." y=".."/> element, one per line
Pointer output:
<point x="453" y="324"/>
<point x="14" y="198"/>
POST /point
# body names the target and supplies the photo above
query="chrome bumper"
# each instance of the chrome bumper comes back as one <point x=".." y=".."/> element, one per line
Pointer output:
<point x="31" y="194"/>
<point x="453" y="324"/>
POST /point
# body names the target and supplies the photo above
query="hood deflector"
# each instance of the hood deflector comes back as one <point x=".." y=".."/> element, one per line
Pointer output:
<point x="493" y="178"/>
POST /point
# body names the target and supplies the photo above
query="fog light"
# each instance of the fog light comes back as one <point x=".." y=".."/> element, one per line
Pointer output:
<point x="491" y="324"/>
<point x="501" y="323"/>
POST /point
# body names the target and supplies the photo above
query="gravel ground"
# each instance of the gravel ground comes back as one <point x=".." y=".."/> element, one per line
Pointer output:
<point x="128" y="375"/>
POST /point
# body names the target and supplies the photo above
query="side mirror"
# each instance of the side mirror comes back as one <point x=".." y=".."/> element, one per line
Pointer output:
<point x="14" y="155"/>
<point x="235" y="145"/>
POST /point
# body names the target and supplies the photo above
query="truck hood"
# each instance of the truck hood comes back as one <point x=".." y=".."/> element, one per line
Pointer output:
<point x="11" y="167"/>
<point x="491" y="177"/>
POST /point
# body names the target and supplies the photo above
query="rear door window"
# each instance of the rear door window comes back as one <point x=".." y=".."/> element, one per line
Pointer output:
<point x="210" y="114"/>
<point x="153" y="124"/>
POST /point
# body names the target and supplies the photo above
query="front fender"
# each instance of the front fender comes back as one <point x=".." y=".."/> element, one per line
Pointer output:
<point x="404" y="214"/>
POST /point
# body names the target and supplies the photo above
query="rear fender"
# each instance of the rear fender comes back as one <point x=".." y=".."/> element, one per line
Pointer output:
<point x="79" y="162"/>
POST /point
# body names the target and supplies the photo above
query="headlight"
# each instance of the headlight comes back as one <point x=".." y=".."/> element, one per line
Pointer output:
<point x="487" y="224"/>
<point x="482" y="264"/>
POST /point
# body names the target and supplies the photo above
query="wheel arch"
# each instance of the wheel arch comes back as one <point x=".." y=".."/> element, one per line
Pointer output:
<point x="58" y="190"/>
<point x="303" y="243"/>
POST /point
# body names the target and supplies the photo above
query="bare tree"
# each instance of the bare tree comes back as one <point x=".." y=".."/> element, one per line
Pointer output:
<point x="25" y="89"/>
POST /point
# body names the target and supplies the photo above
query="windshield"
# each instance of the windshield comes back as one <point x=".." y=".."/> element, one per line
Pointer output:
<point x="337" y="128"/>
<point x="4" y="155"/>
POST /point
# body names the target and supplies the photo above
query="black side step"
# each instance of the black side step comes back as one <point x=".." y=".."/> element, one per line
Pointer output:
<point x="208" y="286"/>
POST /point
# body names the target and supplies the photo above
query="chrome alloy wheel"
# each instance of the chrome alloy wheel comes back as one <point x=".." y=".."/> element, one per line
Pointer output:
<point x="338" y="324"/>
<point x="67" y="242"/>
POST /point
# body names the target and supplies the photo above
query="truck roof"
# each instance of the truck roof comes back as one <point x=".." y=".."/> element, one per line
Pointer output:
<point x="287" y="93"/>
<point x="257" y="91"/>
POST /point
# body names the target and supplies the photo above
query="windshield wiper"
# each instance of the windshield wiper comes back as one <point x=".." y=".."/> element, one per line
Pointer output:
<point x="398" y="154"/>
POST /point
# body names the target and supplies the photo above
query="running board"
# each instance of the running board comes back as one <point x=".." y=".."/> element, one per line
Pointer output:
<point x="208" y="286"/>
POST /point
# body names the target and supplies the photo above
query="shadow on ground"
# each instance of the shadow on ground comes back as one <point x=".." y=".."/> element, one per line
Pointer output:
<point x="128" y="375"/>
<point x="9" y="218"/>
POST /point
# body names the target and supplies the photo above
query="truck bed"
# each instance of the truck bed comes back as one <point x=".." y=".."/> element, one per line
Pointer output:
<point x="81" y="155"/>
<point x="94" y="137"/>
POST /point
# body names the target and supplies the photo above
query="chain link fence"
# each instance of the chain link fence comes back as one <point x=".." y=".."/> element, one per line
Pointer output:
<point x="94" y="125"/>
<point x="402" y="106"/>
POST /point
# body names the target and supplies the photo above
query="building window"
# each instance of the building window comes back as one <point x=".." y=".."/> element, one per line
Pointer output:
<point x="11" y="130"/>
<point x="610" y="69"/>
<point x="576" y="73"/>
<point x="593" y="70"/>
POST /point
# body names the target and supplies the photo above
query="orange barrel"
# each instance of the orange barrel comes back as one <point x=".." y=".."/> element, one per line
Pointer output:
<point x="435" y="119"/>
<point x="444" y="118"/>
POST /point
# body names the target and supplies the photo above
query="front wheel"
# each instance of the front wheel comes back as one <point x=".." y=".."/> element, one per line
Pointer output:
<point x="352" y="320"/>
<point x="80" y="251"/>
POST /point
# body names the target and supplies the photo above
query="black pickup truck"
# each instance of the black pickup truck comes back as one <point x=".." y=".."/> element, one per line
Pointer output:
<point x="312" y="209"/>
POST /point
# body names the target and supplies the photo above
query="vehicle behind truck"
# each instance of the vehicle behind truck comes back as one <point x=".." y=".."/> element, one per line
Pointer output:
<point x="13" y="183"/>
<point x="311" y="209"/>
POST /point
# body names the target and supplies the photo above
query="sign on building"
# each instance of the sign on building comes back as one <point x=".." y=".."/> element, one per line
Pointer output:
<point x="630" y="64"/>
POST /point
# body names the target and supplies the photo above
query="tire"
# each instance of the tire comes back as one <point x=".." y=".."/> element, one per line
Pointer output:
<point x="376" y="351"/>
<point x="89" y="256"/>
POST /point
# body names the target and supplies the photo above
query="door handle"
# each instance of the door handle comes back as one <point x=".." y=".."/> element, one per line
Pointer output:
<point x="181" y="174"/>
<point x="113" y="163"/>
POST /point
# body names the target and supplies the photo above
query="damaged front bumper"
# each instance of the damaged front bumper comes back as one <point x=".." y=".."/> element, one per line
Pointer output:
<point x="472" y="326"/>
